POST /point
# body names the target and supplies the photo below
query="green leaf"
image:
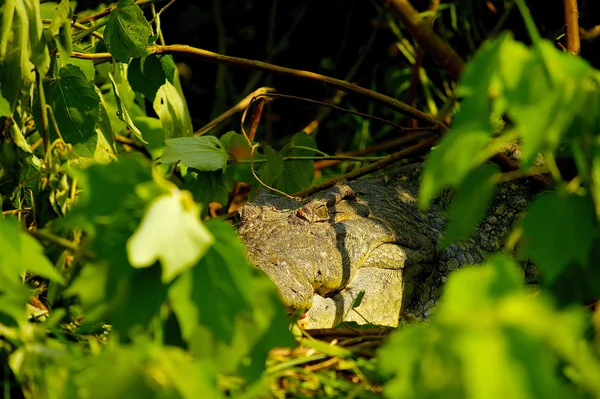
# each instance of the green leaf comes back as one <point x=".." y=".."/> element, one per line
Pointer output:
<point x="4" y="105"/>
<point x="203" y="153"/>
<point x="229" y="312"/>
<point x="297" y="175"/>
<point x="171" y="108"/>
<point x="122" y="111"/>
<point x="145" y="370"/>
<point x="76" y="107"/>
<point x="274" y="166"/>
<point x="22" y="252"/>
<point x="86" y="66"/>
<point x="59" y="30"/>
<point x="21" y="42"/>
<point x="107" y="190"/>
<point x="558" y="231"/>
<point x="146" y="75"/>
<point x="127" y="32"/>
<point x="470" y="203"/>
<point x="448" y="164"/>
<point x="207" y="187"/>
<point x="172" y="233"/>
<point x="490" y="338"/>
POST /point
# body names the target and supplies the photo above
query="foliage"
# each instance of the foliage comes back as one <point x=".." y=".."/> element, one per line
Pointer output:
<point x="141" y="298"/>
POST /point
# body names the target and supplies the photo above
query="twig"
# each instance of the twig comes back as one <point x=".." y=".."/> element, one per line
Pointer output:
<point x="591" y="33"/>
<point x="209" y="56"/>
<point x="572" y="27"/>
<point x="108" y="10"/>
<point x="133" y="144"/>
<point x="43" y="114"/>
<point x="42" y="235"/>
<point x="331" y="106"/>
<point x="241" y="106"/>
<point x="417" y="148"/>
<point x="420" y="29"/>
<point x="420" y="134"/>
<point x="257" y="112"/>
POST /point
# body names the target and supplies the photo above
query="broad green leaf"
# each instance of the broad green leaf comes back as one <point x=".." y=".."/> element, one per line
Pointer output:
<point x="22" y="252"/>
<point x="86" y="66"/>
<point x="172" y="233"/>
<point x="21" y="42"/>
<point x="544" y="110"/>
<point x="171" y="108"/>
<point x="140" y="296"/>
<point x="127" y="32"/>
<point x="14" y="296"/>
<point x="274" y="166"/>
<point x="122" y="111"/>
<point x="107" y="190"/>
<point x="470" y="203"/>
<point x="222" y="273"/>
<point x="59" y="30"/>
<point x="145" y="370"/>
<point x="4" y="105"/>
<point x="489" y="338"/>
<point x="595" y="183"/>
<point x="297" y="175"/>
<point x="558" y="230"/>
<point x="458" y="153"/>
<point x="76" y="107"/>
<point x="207" y="187"/>
<point x="236" y="331"/>
<point x="203" y="153"/>
<point x="146" y="75"/>
<point x="152" y="131"/>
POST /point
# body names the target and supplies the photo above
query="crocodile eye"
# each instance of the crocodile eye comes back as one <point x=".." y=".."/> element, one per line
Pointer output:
<point x="322" y="212"/>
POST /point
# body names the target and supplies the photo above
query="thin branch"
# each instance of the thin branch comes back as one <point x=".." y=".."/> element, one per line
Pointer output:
<point x="43" y="235"/>
<point x="419" y="134"/>
<point x="239" y="107"/>
<point x="572" y="27"/>
<point x="263" y="66"/>
<point x="108" y="10"/>
<point x="420" y="29"/>
<point x="331" y="106"/>
<point x="390" y="159"/>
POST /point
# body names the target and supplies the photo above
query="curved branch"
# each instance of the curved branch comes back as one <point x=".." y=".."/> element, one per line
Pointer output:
<point x="420" y="28"/>
<point x="209" y="56"/>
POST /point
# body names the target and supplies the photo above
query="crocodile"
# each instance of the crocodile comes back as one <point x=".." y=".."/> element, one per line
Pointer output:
<point x="362" y="251"/>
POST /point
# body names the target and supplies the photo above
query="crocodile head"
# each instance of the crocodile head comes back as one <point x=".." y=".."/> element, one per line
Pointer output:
<point x="324" y="247"/>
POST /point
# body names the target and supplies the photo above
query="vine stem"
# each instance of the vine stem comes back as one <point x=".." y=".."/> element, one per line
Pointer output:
<point x="382" y="163"/>
<point x="210" y="56"/>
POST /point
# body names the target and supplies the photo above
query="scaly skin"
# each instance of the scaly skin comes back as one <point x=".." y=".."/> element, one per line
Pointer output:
<point x="367" y="236"/>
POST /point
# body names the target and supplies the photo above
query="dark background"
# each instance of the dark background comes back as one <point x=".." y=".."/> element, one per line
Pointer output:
<point x="328" y="39"/>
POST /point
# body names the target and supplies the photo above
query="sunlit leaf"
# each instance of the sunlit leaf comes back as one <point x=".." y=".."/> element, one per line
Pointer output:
<point x="488" y="339"/>
<point x="447" y="164"/>
<point x="76" y="107"/>
<point x="122" y="111"/>
<point x="470" y="204"/>
<point x="127" y="31"/>
<point x="146" y="75"/>
<point x="237" y="331"/>
<point x="171" y="108"/>
<point x="172" y="233"/>
<point x="203" y="153"/>
<point x="22" y="252"/>
<point x="59" y="30"/>
<point x="21" y="42"/>
<point x="558" y="231"/>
